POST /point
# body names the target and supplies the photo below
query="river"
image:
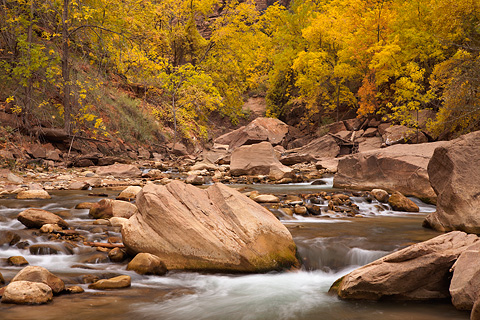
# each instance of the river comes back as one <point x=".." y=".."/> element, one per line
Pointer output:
<point x="328" y="247"/>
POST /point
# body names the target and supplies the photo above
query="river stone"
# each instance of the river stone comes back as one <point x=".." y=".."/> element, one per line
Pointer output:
<point x="33" y="194"/>
<point x="454" y="172"/>
<point x="36" y="218"/>
<point x="146" y="263"/>
<point x="266" y="198"/>
<point x="465" y="284"/>
<point x="380" y="195"/>
<point x="84" y="205"/>
<point x="49" y="228"/>
<point x="117" y="221"/>
<point x="74" y="289"/>
<point x="27" y="292"/>
<point x="258" y="159"/>
<point x="40" y="274"/>
<point x="195" y="180"/>
<point x="2" y="280"/>
<point x="418" y="272"/>
<point x="399" y="202"/>
<point x="108" y="208"/>
<point x="401" y="168"/>
<point x="129" y="193"/>
<point x="119" y="282"/>
<point x="261" y="129"/>
<point x="213" y="229"/>
<point x="116" y="255"/>
<point x="119" y="170"/>
<point x="17" y="261"/>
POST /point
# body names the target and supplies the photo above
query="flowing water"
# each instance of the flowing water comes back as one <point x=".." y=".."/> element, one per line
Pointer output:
<point x="328" y="247"/>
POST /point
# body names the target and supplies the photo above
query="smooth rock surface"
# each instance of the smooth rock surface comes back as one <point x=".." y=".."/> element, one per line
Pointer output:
<point x="119" y="170"/>
<point x="119" y="282"/>
<point x="454" y="172"/>
<point x="216" y="229"/>
<point x="465" y="284"/>
<point x="418" y="272"/>
<point x="146" y="263"/>
<point x="108" y="208"/>
<point x="323" y="147"/>
<point x="258" y="159"/>
<point x="33" y="194"/>
<point x="40" y="274"/>
<point x="36" y="218"/>
<point x="129" y="193"/>
<point x="401" y="168"/>
<point x="399" y="202"/>
<point x="27" y="292"/>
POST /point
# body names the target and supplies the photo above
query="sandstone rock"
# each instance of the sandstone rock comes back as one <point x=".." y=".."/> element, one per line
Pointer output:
<point x="370" y="132"/>
<point x="401" y="168"/>
<point x="33" y="194"/>
<point x="195" y="180"/>
<point x="85" y="205"/>
<point x="36" y="218"/>
<point x="260" y="129"/>
<point x="323" y="147"/>
<point x="74" y="289"/>
<point x="354" y="124"/>
<point x="330" y="165"/>
<point x="216" y="229"/>
<point x="78" y="185"/>
<point x="293" y="158"/>
<point x="369" y="143"/>
<point x="380" y="195"/>
<point x="204" y="166"/>
<point x="465" y="284"/>
<point x="27" y="292"/>
<point x="258" y="159"/>
<point x="143" y="153"/>
<point x="399" y="202"/>
<point x="146" y="263"/>
<point x="2" y="280"/>
<point x="37" y="151"/>
<point x="119" y="170"/>
<point x="129" y="193"/>
<point x="475" y="314"/>
<point x="418" y="272"/>
<point x="301" y="210"/>
<point x="455" y="176"/>
<point x="119" y="282"/>
<point x="266" y="198"/>
<point x="17" y="261"/>
<point x="400" y="134"/>
<point x="336" y="127"/>
<point x="116" y="255"/>
<point x="8" y="237"/>
<point x="40" y="274"/>
<point x="108" y="208"/>
<point x="14" y="178"/>
<point x="179" y="149"/>
<point x="49" y="228"/>
<point x="117" y="221"/>
<point x="155" y="174"/>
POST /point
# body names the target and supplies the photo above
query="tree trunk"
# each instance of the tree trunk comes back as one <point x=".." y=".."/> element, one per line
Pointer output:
<point x="29" y="85"/>
<point x="67" y="104"/>
<point x="174" y="121"/>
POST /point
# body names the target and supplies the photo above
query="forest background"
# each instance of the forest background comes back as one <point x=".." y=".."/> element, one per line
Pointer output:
<point x="145" y="70"/>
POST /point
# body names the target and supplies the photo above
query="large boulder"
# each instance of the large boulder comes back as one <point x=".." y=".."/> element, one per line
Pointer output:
<point x="260" y="129"/>
<point x="36" y="218"/>
<point x="258" y="159"/>
<point x="119" y="170"/>
<point x="108" y="208"/>
<point x="454" y="172"/>
<point x="465" y="284"/>
<point x="42" y="275"/>
<point x="418" y="272"/>
<point x="323" y="147"/>
<point x="399" y="134"/>
<point x="401" y="168"/>
<point x="27" y="292"/>
<point x="214" y="229"/>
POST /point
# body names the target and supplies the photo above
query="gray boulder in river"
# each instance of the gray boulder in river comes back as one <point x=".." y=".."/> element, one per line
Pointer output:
<point x="454" y="172"/>
<point x="216" y="229"/>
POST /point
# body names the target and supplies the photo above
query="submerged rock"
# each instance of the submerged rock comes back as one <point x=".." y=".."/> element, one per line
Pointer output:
<point x="454" y="172"/>
<point x="119" y="282"/>
<point x="17" y="261"/>
<point x="418" y="272"/>
<point x="27" y="292"/>
<point x="216" y="229"/>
